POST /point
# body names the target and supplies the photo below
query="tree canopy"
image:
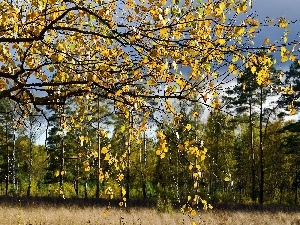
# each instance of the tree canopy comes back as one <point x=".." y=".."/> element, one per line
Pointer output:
<point x="127" y="51"/>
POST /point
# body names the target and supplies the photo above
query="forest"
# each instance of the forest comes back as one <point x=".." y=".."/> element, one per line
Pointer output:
<point x="174" y="102"/>
<point x="92" y="156"/>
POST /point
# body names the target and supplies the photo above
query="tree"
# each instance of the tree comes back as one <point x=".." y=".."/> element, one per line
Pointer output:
<point x="70" y="47"/>
<point x="242" y="98"/>
<point x="129" y="52"/>
<point x="254" y="85"/>
<point x="31" y="161"/>
<point x="290" y="95"/>
<point x="219" y="136"/>
<point x="31" y="128"/>
<point x="8" y="153"/>
<point x="291" y="147"/>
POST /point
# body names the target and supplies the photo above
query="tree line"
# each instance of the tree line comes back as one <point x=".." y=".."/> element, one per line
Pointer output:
<point x="105" y="155"/>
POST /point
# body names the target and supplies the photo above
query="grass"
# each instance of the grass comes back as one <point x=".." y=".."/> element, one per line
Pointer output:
<point x="100" y="215"/>
<point x="44" y="214"/>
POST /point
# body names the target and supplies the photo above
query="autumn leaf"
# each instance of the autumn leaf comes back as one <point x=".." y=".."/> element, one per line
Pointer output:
<point x="123" y="191"/>
<point x="226" y="179"/>
<point x="193" y="213"/>
<point x="266" y="41"/>
<point x="282" y="22"/>
<point x="188" y="127"/>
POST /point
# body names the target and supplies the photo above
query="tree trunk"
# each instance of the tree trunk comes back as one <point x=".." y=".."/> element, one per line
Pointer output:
<point x="145" y="164"/>
<point x="30" y="163"/>
<point x="99" y="152"/>
<point x="253" y="193"/>
<point x="62" y="158"/>
<point x="15" y="187"/>
<point x="261" y="188"/>
<point x="128" y="157"/>
<point x="7" y="159"/>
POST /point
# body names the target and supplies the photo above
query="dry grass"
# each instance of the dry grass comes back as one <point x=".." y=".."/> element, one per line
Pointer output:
<point x="100" y="215"/>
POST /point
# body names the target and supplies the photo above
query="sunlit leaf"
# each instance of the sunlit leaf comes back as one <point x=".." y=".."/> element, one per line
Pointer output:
<point x="226" y="179"/>
<point x="188" y="126"/>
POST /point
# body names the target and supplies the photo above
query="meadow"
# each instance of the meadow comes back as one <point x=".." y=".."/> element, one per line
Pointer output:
<point x="53" y="213"/>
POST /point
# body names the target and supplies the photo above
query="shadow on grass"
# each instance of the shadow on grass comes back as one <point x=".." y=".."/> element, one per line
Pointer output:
<point x="76" y="202"/>
<point x="134" y="203"/>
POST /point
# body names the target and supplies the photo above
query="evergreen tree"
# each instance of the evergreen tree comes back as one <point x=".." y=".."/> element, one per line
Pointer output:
<point x="289" y="99"/>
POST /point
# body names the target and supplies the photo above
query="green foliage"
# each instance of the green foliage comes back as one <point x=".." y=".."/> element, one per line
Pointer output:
<point x="164" y="205"/>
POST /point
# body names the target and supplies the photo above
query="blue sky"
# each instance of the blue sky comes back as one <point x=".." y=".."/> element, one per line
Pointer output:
<point x="275" y="8"/>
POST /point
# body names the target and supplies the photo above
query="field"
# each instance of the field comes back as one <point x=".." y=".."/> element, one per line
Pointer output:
<point x="44" y="214"/>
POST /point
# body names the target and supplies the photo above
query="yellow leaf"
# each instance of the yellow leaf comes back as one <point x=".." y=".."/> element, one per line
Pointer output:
<point x="16" y="28"/>
<point x="292" y="57"/>
<point x="231" y="68"/>
<point x="193" y="212"/>
<point x="122" y="129"/>
<point x="266" y="41"/>
<point x="253" y="69"/>
<point x="292" y="111"/>
<point x="123" y="191"/>
<point x="226" y="179"/>
<point x="189" y="198"/>
<point x="221" y="41"/>
<point x="202" y="157"/>
<point x="235" y="58"/>
<point x="288" y="91"/>
<point x="239" y="31"/>
<point x="165" y="149"/>
<point x="120" y="177"/>
<point x="272" y="49"/>
<point x="60" y="57"/>
<point x="190" y="167"/>
<point x="164" y="32"/>
<point x="195" y="114"/>
<point x="188" y="126"/>
<point x="282" y="51"/>
<point x="195" y="184"/>
<point x="162" y="155"/>
<point x="283" y="22"/>
<point x="107" y="157"/>
<point x="222" y="5"/>
<point x="104" y="150"/>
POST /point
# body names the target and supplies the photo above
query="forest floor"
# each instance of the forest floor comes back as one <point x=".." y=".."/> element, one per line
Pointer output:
<point x="50" y="213"/>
